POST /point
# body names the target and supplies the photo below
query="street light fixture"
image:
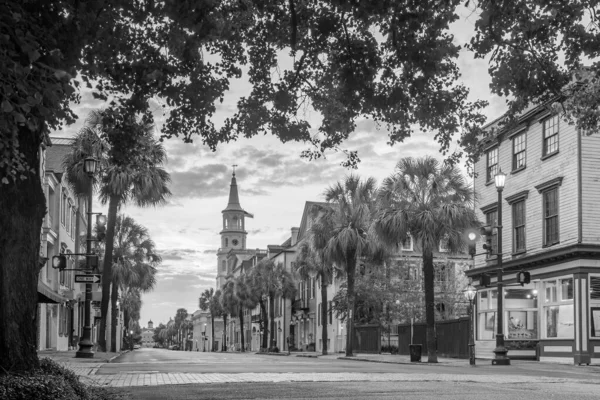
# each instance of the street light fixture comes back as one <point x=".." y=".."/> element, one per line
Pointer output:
<point x="500" y="351"/>
<point x="90" y="165"/>
<point x="131" y="338"/>
<point x="470" y="293"/>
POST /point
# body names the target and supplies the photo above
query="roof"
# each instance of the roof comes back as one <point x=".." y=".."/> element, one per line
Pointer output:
<point x="305" y="223"/>
<point x="56" y="153"/>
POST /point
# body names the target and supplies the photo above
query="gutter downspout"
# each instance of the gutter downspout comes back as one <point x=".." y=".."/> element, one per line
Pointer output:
<point x="579" y="189"/>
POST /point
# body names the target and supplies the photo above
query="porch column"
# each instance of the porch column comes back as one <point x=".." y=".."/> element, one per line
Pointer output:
<point x="581" y="353"/>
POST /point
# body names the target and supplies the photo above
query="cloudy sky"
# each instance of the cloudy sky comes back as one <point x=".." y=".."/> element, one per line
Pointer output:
<point x="273" y="183"/>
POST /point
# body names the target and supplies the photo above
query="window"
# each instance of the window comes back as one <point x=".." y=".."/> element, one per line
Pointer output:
<point x="492" y="164"/>
<point x="407" y="244"/>
<point x="319" y="314"/>
<point x="73" y="222"/>
<point x="443" y="245"/>
<point x="330" y="309"/>
<point x="226" y="242"/>
<point x="551" y="234"/>
<point x="519" y="148"/>
<point x="487" y="301"/>
<point x="223" y="266"/>
<point x="595" y="305"/>
<point x="63" y="208"/>
<point x="68" y="217"/>
<point x="518" y="211"/>
<point x="558" y="308"/>
<point x="439" y="272"/>
<point x="550" y="145"/>
<point x="491" y="219"/>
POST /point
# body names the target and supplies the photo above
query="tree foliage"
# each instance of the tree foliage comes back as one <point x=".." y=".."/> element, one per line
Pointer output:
<point x="542" y="52"/>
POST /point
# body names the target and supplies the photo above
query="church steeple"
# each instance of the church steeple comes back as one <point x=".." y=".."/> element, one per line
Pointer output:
<point x="234" y="199"/>
<point x="233" y="234"/>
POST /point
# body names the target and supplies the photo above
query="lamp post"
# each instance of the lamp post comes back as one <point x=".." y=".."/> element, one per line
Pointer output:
<point x="85" y="344"/>
<point x="470" y="293"/>
<point x="204" y="339"/>
<point x="131" y="339"/>
<point x="500" y="351"/>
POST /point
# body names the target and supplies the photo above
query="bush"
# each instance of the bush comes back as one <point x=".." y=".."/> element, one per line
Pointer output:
<point x="389" y="349"/>
<point x="274" y="349"/>
<point x="50" y="382"/>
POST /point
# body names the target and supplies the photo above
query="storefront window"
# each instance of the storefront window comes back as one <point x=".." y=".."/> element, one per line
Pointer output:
<point x="522" y="315"/>
<point x="486" y="317"/>
<point x="595" y="305"/>
<point x="559" y="318"/>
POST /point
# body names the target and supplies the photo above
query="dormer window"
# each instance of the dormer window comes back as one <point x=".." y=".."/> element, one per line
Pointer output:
<point x="407" y="244"/>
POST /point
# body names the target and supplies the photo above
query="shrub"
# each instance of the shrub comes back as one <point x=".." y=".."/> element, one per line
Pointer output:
<point x="389" y="349"/>
<point x="274" y="349"/>
<point x="49" y="367"/>
<point x="36" y="386"/>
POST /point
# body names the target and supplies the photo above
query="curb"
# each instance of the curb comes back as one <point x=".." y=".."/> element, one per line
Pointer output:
<point x="307" y="355"/>
<point x="273" y="354"/>
<point x="397" y="362"/>
<point x="119" y="355"/>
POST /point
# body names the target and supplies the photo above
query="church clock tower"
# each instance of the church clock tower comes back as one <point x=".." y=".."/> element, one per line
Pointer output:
<point x="233" y="234"/>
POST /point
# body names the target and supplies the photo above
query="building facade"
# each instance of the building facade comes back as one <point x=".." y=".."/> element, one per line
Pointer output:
<point x="148" y="335"/>
<point x="551" y="213"/>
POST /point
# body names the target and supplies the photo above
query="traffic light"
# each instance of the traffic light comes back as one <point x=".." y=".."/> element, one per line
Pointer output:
<point x="487" y="231"/>
<point x="471" y="237"/>
<point x="59" y="262"/>
<point x="523" y="277"/>
<point x="100" y="227"/>
<point x="484" y="280"/>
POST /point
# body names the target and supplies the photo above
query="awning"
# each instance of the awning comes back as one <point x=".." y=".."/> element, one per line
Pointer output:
<point x="47" y="295"/>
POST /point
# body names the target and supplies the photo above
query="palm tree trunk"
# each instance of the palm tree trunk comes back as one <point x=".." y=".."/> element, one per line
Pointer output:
<point x="272" y="320"/>
<point x="224" y="345"/>
<point x="22" y="209"/>
<point x="263" y="315"/>
<point x="212" y="333"/>
<point x="324" y="285"/>
<point x="113" y="317"/>
<point x="113" y="205"/>
<point x="429" y="305"/>
<point x="351" y="269"/>
<point x="241" y="315"/>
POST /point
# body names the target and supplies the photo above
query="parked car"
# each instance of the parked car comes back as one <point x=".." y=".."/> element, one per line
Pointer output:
<point x="136" y="346"/>
<point x="174" y="347"/>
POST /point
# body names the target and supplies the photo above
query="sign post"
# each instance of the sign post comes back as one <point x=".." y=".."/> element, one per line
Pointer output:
<point x="88" y="278"/>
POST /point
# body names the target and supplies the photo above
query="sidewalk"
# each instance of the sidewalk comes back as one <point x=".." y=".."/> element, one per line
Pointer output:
<point x="383" y="358"/>
<point x="69" y="356"/>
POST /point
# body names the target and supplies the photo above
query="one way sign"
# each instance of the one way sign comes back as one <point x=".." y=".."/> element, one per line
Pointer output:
<point x="88" y="278"/>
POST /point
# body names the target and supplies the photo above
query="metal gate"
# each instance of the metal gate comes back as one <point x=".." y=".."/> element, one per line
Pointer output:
<point x="367" y="339"/>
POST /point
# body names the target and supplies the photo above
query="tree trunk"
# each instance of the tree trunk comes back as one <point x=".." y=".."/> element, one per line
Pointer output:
<point x="241" y="315"/>
<point x="113" y="205"/>
<point x="351" y="269"/>
<point x="224" y="345"/>
<point x="428" y="275"/>
<point x="125" y="323"/>
<point x="324" y="320"/>
<point x="113" y="317"/>
<point x="212" y="331"/>
<point x="272" y="320"/>
<point x="22" y="209"/>
<point x="263" y="316"/>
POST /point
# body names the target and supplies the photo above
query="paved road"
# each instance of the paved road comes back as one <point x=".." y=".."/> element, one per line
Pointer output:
<point x="162" y="374"/>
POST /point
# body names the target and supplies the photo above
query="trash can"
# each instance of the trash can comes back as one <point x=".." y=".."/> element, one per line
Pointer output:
<point x="415" y="352"/>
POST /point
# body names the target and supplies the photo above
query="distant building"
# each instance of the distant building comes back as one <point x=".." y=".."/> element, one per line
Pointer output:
<point x="148" y="335"/>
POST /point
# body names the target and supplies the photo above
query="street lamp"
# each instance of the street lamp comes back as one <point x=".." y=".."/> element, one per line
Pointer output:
<point x="204" y="339"/>
<point x="500" y="351"/>
<point x="85" y="344"/>
<point x="470" y="293"/>
<point x="131" y="338"/>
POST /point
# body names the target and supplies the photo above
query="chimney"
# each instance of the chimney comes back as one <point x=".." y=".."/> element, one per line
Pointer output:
<point x="295" y="236"/>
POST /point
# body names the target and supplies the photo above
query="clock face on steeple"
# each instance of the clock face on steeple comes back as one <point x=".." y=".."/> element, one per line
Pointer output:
<point x="234" y="242"/>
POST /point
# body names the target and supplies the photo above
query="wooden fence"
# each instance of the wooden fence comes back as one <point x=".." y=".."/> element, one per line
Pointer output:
<point x="367" y="339"/>
<point x="452" y="337"/>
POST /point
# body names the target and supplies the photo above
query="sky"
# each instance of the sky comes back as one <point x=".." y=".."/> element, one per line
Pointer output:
<point x="273" y="183"/>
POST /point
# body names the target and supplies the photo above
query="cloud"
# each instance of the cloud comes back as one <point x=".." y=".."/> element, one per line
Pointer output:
<point x="211" y="180"/>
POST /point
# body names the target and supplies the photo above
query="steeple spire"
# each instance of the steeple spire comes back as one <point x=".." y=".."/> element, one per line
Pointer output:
<point x="234" y="199"/>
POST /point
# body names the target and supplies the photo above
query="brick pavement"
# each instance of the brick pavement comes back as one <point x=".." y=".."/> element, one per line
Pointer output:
<point x="133" y="378"/>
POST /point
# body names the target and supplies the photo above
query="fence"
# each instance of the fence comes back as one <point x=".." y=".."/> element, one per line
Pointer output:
<point x="367" y="339"/>
<point x="452" y="337"/>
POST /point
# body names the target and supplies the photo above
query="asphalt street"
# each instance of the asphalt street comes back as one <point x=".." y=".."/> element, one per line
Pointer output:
<point x="164" y="374"/>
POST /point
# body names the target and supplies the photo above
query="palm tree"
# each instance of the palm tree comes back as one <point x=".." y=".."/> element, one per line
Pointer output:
<point x="180" y="317"/>
<point x="255" y="280"/>
<point x="217" y="311"/>
<point x="229" y="301"/>
<point x="247" y="299"/>
<point x="274" y="281"/>
<point x="310" y="263"/>
<point x="345" y="224"/>
<point x="131" y="303"/>
<point x="131" y="172"/>
<point x="430" y="202"/>
<point x="207" y="302"/>
<point x="134" y="264"/>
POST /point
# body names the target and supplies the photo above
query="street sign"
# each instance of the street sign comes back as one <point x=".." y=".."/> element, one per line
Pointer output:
<point x="88" y="278"/>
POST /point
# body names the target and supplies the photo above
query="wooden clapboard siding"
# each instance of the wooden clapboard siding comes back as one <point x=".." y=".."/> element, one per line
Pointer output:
<point x="536" y="172"/>
<point x="590" y="165"/>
